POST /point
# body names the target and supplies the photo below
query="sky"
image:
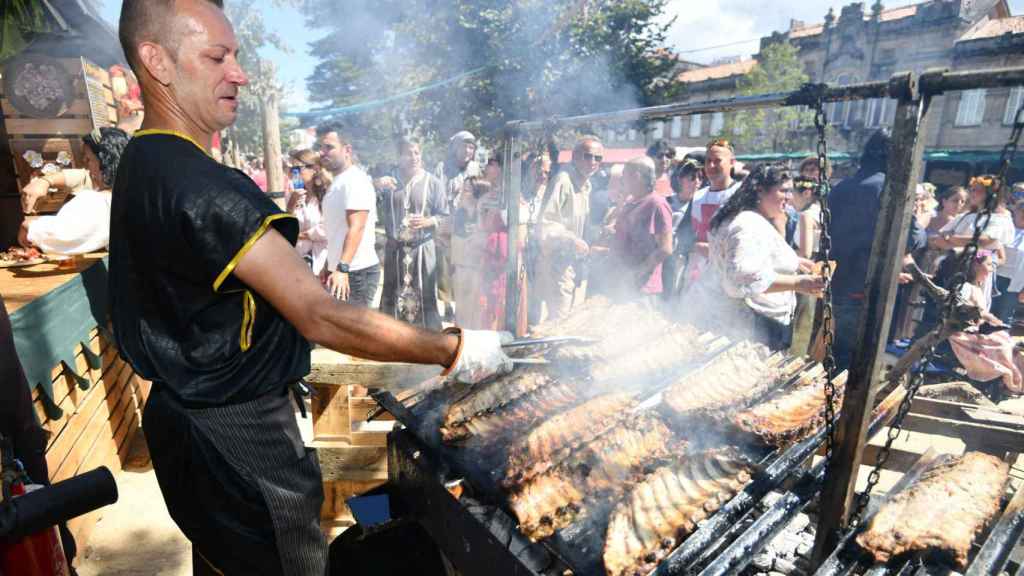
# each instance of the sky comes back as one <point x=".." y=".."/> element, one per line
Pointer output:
<point x="720" y="29"/>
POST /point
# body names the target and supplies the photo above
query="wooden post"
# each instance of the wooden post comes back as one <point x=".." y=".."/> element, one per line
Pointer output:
<point x="904" y="165"/>
<point x="272" y="142"/>
<point x="513" y="164"/>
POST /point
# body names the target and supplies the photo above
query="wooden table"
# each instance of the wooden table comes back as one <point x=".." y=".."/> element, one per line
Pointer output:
<point x="19" y="286"/>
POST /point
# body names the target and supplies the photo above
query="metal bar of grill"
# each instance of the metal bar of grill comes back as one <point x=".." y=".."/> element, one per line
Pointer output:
<point x="990" y="560"/>
<point x="740" y="553"/>
<point x="846" y="557"/>
<point x="996" y="551"/>
<point x="685" y="556"/>
<point x="932" y="83"/>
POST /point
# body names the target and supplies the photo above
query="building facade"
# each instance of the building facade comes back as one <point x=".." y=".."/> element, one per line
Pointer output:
<point x="862" y="45"/>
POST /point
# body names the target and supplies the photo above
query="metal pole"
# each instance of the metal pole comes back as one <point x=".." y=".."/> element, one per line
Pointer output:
<point x="513" y="167"/>
<point x="932" y="83"/>
<point x="897" y="203"/>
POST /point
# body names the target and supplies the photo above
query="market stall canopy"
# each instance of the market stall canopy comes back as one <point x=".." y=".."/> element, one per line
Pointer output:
<point x="58" y="28"/>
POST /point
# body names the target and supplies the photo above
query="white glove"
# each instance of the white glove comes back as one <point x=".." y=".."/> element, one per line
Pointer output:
<point x="480" y="356"/>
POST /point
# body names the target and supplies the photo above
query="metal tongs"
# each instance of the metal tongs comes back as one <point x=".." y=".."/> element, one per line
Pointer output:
<point x="550" y="340"/>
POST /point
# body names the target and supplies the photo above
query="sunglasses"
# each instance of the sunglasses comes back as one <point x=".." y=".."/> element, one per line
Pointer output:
<point x="668" y="155"/>
<point x="593" y="157"/>
<point x="719" y="143"/>
<point x="985" y="181"/>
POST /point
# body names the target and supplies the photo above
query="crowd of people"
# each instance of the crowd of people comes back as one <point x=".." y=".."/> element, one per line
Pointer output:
<point x="702" y="237"/>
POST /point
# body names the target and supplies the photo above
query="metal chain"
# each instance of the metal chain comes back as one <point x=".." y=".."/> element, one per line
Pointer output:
<point x="825" y="253"/>
<point x="981" y="221"/>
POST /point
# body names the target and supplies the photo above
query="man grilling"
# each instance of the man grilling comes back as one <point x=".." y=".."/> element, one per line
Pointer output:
<point x="210" y="301"/>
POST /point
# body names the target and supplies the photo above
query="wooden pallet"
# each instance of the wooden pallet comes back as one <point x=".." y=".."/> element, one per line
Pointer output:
<point x="353" y="450"/>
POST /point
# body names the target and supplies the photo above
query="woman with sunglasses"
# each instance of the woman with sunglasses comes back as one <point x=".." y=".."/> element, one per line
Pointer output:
<point x="305" y="203"/>
<point x="997" y="233"/>
<point x="749" y="290"/>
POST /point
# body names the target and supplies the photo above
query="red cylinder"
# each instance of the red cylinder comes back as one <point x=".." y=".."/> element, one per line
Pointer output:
<point x="39" y="554"/>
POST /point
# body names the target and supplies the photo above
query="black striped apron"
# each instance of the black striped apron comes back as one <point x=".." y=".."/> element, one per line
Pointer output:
<point x="239" y="483"/>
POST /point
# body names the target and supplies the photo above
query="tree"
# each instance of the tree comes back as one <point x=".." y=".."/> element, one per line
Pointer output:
<point x="257" y="128"/>
<point x="20" y="22"/>
<point x="778" y="69"/>
<point x="528" y="59"/>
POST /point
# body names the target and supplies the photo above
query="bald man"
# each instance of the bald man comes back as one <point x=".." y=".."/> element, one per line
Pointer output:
<point x="210" y="301"/>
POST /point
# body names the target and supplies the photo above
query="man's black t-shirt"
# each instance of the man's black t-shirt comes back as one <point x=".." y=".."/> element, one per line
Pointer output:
<point x="180" y="222"/>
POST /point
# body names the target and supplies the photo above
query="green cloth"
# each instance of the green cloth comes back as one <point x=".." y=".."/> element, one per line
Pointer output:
<point x="49" y="330"/>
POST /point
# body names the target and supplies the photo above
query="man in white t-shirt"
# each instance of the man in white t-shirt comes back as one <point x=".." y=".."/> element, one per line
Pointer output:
<point x="350" y="217"/>
<point x="718" y="164"/>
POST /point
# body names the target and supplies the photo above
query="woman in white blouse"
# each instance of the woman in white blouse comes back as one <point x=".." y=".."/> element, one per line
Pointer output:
<point x="82" y="225"/>
<point x="996" y="234"/>
<point x="751" y="289"/>
<point x="305" y="204"/>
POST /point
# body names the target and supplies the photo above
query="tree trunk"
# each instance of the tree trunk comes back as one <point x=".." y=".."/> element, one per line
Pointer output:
<point x="272" y="143"/>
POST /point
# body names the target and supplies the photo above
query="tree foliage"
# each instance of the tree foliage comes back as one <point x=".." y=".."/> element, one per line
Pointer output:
<point x="252" y="33"/>
<point x="778" y="69"/>
<point x="534" y="59"/>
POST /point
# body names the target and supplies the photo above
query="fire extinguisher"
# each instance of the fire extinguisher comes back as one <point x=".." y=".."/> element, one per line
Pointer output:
<point x="38" y="554"/>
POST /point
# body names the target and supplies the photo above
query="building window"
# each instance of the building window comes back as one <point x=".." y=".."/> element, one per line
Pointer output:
<point x="839" y="112"/>
<point x="717" y="123"/>
<point x="677" y="127"/>
<point x="609" y="135"/>
<point x="632" y="134"/>
<point x="878" y="113"/>
<point x="695" y="126"/>
<point x="657" y="130"/>
<point x="1013" y="104"/>
<point x="972" y="108"/>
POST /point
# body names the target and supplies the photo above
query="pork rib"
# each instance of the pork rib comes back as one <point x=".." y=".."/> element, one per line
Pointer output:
<point x="655" y="358"/>
<point x="942" y="512"/>
<point x="665" y="508"/>
<point x="733" y="379"/>
<point x="792" y="414"/>
<point x="551" y="442"/>
<point x="495" y="394"/>
<point x="515" y="417"/>
<point x="602" y="469"/>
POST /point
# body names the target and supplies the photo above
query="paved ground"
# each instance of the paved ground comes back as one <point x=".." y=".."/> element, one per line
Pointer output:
<point x="136" y="536"/>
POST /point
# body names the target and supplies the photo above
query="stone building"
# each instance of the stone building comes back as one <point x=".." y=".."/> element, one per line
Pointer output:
<point x="872" y="44"/>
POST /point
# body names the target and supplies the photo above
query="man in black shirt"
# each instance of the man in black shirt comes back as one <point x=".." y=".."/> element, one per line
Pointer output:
<point x="210" y="301"/>
<point x="855" y="203"/>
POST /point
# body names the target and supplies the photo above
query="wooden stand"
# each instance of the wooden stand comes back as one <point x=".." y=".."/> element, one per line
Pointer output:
<point x="353" y="451"/>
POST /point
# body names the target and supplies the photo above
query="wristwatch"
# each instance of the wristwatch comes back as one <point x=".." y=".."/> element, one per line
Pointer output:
<point x="342" y="267"/>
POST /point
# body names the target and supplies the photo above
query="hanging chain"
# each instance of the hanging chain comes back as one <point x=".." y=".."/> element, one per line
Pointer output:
<point x="825" y="253"/>
<point x="981" y="221"/>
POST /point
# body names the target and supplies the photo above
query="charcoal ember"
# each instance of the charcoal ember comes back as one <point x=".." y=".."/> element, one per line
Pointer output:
<point x="763" y="561"/>
<point x="800" y="522"/>
<point x="804" y="549"/>
<point x="784" y="566"/>
<point x="770" y="499"/>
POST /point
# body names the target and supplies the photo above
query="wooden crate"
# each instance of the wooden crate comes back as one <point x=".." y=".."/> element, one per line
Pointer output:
<point x="353" y="450"/>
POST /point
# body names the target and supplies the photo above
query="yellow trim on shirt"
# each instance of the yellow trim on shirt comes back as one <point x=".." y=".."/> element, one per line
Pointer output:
<point x="181" y="135"/>
<point x="246" y="247"/>
<point x="248" y="320"/>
